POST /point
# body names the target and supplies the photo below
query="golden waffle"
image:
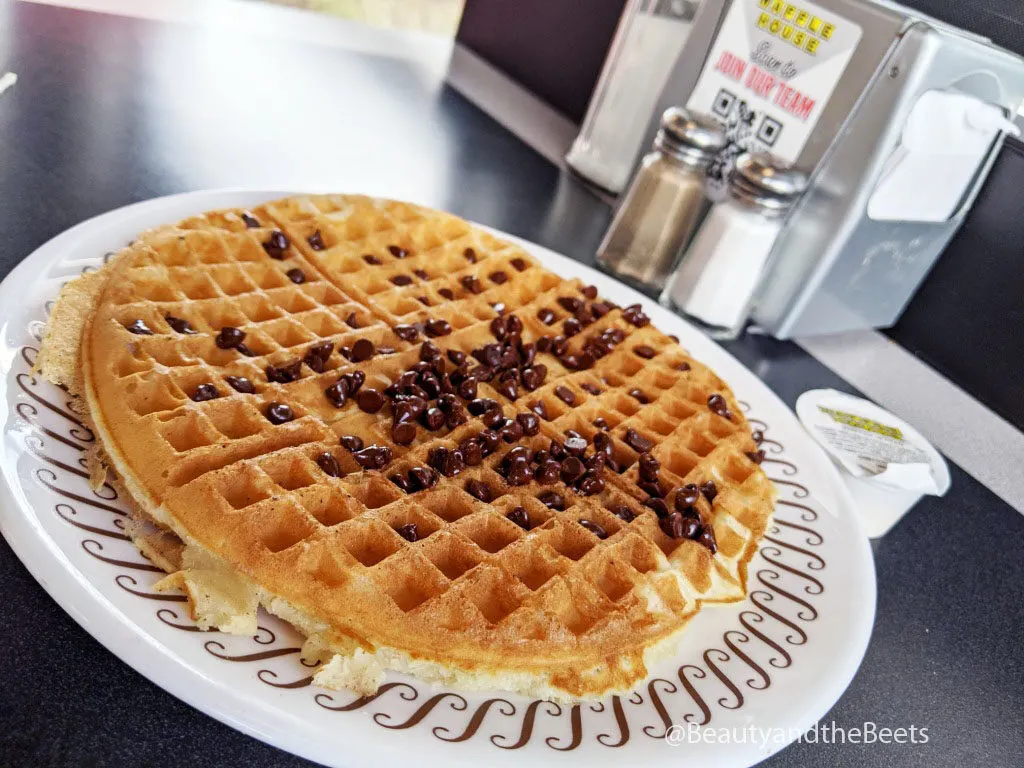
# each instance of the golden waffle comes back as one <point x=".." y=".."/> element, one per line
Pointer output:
<point x="531" y="585"/>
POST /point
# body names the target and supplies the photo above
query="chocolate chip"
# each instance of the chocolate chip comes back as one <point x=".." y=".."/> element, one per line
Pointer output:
<point x="369" y="400"/>
<point x="397" y="252"/>
<point x="240" y="384"/>
<point x="362" y="350"/>
<point x="369" y="258"/>
<point x="640" y="396"/>
<point x="276" y="245"/>
<point x="351" y="443"/>
<point x="423" y="478"/>
<point x="406" y="332"/>
<point x="518" y="471"/>
<point x="139" y="328"/>
<point x="673" y="525"/>
<point x="328" y="464"/>
<point x="594" y="528"/>
<point x="559" y="346"/>
<point x="353" y="380"/>
<point x="179" y="325"/>
<point x="519" y="517"/>
<point x="296" y="275"/>
<point x="205" y="392"/>
<point x="622" y="512"/>
<point x="572" y="470"/>
<point x="591" y="484"/>
<point x="457" y="356"/>
<point x="649" y="467"/>
<point x="552" y="500"/>
<point x="479" y="490"/>
<point x="571" y="326"/>
<point x="472" y="284"/>
<point x="251" y="222"/>
<point x="757" y="436"/>
<point x="686" y="497"/>
<point x="498" y="277"/>
<point x="718" y="406"/>
<point x="570" y="303"/>
<point x="529" y="422"/>
<point x="519" y="264"/>
<point x="403" y="433"/>
<point x="756" y="456"/>
<point x="565" y="394"/>
<point x="540" y="409"/>
<point x="710" y="490"/>
<point x="600" y="423"/>
<point x="228" y="338"/>
<point x="593" y="389"/>
<point x="433" y="419"/>
<point x="402" y="481"/>
<point x="576" y="445"/>
<point x="448" y="293"/>
<point x="507" y="386"/>
<point x="546" y="315"/>
<point x="511" y="431"/>
<point x="706" y="537"/>
<point x="533" y="377"/>
<point x="638" y="442"/>
<point x="278" y="413"/>
<point x="337" y="394"/>
<point x="373" y="457"/>
<point x="401" y="280"/>
<point x="285" y="374"/>
<point x="316" y="241"/>
<point x="634" y="314"/>
<point x="600" y="308"/>
<point x="409" y="532"/>
<point x="470" y="255"/>
<point x="435" y="328"/>
<point x="468" y="388"/>
<point x="644" y="351"/>
<point x="590" y="291"/>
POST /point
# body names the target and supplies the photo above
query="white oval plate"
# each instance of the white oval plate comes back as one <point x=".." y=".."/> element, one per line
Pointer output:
<point x="747" y="679"/>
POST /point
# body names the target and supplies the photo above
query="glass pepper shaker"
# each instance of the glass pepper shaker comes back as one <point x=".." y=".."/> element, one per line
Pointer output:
<point x="664" y="203"/>
<point x="714" y="284"/>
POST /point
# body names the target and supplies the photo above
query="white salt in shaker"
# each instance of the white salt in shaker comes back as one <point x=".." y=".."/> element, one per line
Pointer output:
<point x="714" y="284"/>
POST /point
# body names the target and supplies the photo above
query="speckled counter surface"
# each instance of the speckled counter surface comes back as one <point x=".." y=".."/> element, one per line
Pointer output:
<point x="94" y="124"/>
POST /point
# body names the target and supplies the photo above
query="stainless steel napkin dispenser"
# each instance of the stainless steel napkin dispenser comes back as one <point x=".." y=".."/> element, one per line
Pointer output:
<point x="897" y="119"/>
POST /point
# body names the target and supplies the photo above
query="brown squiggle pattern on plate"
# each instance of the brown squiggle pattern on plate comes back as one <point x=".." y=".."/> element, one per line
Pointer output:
<point x="780" y="607"/>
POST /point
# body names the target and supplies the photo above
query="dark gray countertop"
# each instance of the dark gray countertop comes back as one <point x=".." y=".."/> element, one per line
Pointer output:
<point x="109" y="110"/>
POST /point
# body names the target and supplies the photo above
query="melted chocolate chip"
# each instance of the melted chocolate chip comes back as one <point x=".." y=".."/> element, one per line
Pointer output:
<point x="229" y="338"/>
<point x="644" y="351"/>
<point x="285" y="374"/>
<point x="552" y="500"/>
<point x="498" y="277"/>
<point x="718" y="406"/>
<point x="540" y="409"/>
<point x="683" y="366"/>
<point x="448" y="293"/>
<point x="362" y="350"/>
<point x="709" y="489"/>
<point x="240" y="384"/>
<point x="205" y="392"/>
<point x="640" y="396"/>
<point x="706" y="537"/>
<point x="406" y="332"/>
<point x="756" y="456"/>
<point x="634" y="314"/>
<point x="686" y="497"/>
<point x="622" y="512"/>
<point x="369" y="400"/>
<point x="373" y="457"/>
<point x="600" y="423"/>
<point x="479" y="490"/>
<point x="594" y="528"/>
<point x="251" y="222"/>
<point x="397" y="252"/>
<point x="593" y="389"/>
<point x="316" y="241"/>
<point x="565" y="394"/>
<point x="276" y="245"/>
<point x="403" y="433"/>
<point x="519" y="517"/>
<point x="402" y="481"/>
<point x="328" y="464"/>
<point x="435" y="328"/>
<point x="529" y="422"/>
<point x="278" y="413"/>
<point x="470" y="255"/>
<point x="401" y="280"/>
<point x="572" y="470"/>
<point x="369" y="258"/>
<point x="296" y="275"/>
<point x="351" y="443"/>
<point x="139" y="328"/>
<point x="179" y="325"/>
<point x="519" y="264"/>
<point x="637" y="442"/>
<point x="472" y="284"/>
<point x="409" y="532"/>
<point x="673" y="525"/>
<point x="422" y="478"/>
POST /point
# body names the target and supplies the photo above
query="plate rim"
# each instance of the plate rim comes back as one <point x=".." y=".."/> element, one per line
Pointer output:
<point x="81" y="599"/>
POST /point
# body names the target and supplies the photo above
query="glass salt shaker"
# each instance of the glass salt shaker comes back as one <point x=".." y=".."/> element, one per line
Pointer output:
<point x="665" y="202"/>
<point x="714" y="284"/>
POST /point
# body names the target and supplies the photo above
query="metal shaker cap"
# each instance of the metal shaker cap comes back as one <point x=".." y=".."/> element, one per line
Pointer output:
<point x="765" y="182"/>
<point x="690" y="137"/>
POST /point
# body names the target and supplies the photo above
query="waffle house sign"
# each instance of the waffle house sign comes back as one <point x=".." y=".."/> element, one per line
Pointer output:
<point x="773" y="67"/>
